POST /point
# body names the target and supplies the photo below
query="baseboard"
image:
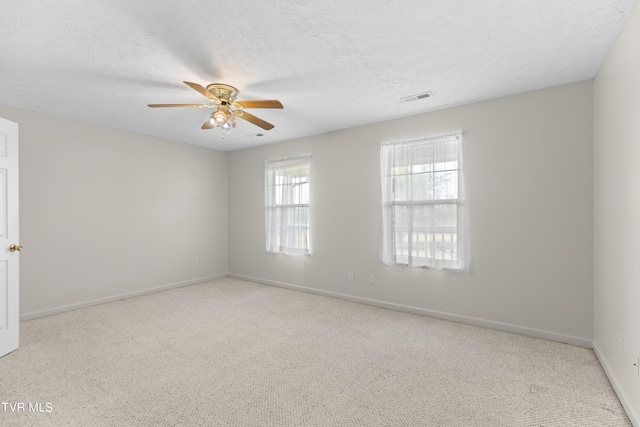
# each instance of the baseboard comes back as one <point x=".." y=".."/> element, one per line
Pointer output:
<point x="626" y="402"/>
<point x="523" y="330"/>
<point x="76" y="306"/>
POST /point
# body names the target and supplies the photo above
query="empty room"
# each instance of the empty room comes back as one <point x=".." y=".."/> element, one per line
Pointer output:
<point x="296" y="213"/>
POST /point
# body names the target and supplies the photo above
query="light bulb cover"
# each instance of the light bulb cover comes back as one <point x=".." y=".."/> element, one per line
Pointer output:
<point x="220" y="117"/>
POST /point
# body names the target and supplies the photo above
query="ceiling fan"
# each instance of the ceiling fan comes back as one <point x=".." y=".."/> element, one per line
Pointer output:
<point x="227" y="109"/>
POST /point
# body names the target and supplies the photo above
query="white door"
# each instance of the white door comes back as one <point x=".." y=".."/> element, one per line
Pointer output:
<point x="9" y="243"/>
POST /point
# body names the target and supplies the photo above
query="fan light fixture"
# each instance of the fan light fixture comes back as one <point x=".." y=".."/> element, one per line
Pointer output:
<point x="231" y="123"/>
<point x="223" y="120"/>
<point x="220" y="117"/>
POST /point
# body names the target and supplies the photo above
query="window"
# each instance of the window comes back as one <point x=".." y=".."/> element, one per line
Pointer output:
<point x="423" y="210"/>
<point x="287" y="205"/>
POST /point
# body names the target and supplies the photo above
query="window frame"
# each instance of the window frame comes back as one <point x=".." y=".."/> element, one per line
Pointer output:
<point x="398" y="165"/>
<point x="281" y="234"/>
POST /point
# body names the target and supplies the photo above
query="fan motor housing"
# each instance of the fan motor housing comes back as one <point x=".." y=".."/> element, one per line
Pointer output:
<point x="223" y="92"/>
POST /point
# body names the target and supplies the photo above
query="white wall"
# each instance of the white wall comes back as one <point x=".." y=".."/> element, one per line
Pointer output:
<point x="617" y="213"/>
<point x="106" y="213"/>
<point x="529" y="163"/>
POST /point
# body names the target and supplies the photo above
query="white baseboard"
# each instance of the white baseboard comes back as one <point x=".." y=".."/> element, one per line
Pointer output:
<point x="507" y="327"/>
<point x="83" y="304"/>
<point x="626" y="402"/>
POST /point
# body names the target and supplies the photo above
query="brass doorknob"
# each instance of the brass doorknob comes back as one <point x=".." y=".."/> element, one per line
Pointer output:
<point x="14" y="248"/>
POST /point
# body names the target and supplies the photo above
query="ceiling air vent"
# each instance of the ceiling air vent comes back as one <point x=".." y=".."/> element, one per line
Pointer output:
<point x="416" y="97"/>
<point x="256" y="135"/>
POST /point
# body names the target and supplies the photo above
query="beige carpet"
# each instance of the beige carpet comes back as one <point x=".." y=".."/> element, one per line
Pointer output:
<point x="235" y="353"/>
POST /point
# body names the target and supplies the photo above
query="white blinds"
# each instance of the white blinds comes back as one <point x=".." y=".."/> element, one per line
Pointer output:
<point x="423" y="211"/>
<point x="287" y="205"/>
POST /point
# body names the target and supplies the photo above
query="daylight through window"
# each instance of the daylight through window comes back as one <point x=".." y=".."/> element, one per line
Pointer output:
<point x="423" y="208"/>
<point x="287" y="205"/>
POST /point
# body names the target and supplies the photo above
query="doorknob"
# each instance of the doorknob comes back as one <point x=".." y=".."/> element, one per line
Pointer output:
<point x="14" y="248"/>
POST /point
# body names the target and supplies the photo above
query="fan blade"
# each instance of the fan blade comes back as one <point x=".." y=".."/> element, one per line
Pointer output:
<point x="253" y="119"/>
<point x="258" y="104"/>
<point x="207" y="125"/>
<point x="176" y="105"/>
<point x="202" y="91"/>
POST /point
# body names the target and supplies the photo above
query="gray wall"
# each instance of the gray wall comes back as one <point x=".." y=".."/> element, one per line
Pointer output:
<point x="617" y="213"/>
<point x="529" y="162"/>
<point x="106" y="213"/>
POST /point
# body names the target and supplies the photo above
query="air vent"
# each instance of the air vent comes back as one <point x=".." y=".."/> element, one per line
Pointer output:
<point x="416" y="97"/>
<point x="256" y="135"/>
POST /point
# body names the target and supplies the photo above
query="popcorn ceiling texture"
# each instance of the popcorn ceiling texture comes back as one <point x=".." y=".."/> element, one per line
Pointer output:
<point x="333" y="64"/>
<point x="235" y="353"/>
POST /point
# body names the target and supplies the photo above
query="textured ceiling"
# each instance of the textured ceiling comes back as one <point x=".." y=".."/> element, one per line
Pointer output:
<point x="333" y="64"/>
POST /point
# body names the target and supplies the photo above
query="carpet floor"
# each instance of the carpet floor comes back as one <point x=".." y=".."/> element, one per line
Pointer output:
<point x="236" y="353"/>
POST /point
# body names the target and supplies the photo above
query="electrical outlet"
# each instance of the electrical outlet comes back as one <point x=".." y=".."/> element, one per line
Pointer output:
<point x="350" y="274"/>
<point x="636" y="368"/>
<point x="372" y="278"/>
<point x="196" y="262"/>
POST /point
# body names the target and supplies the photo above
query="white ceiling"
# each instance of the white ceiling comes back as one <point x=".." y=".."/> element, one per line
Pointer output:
<point x="333" y="64"/>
